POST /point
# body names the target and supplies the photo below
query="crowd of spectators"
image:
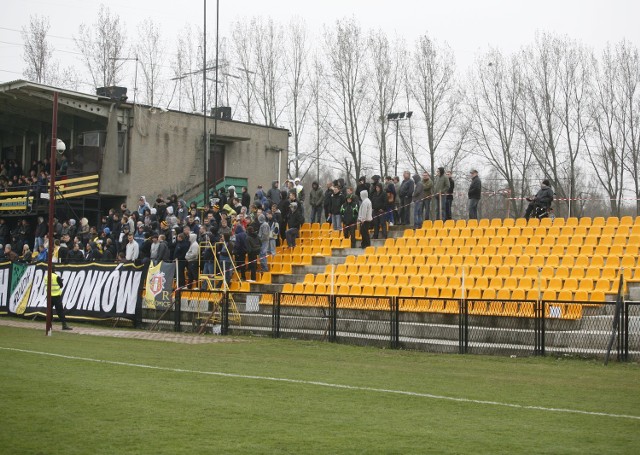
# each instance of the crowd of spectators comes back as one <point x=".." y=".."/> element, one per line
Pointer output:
<point x="241" y="230"/>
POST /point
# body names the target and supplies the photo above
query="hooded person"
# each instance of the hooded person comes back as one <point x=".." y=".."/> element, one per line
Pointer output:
<point x="143" y="205"/>
<point x="253" y="247"/>
<point x="191" y="256"/>
<point x="418" y="199"/>
<point x="365" y="216"/>
<point x="349" y="215"/>
<point x="316" y="200"/>
<point x="264" y="234"/>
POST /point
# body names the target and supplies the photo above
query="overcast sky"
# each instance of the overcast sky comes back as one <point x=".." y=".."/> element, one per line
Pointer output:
<point x="469" y="26"/>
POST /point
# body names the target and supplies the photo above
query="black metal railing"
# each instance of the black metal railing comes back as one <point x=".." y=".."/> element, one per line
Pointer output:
<point x="465" y="326"/>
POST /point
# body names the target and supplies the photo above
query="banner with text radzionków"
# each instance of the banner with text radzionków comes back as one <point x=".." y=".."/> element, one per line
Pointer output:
<point x="92" y="291"/>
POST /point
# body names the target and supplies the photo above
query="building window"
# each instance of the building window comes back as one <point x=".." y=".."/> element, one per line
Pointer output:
<point x="123" y="159"/>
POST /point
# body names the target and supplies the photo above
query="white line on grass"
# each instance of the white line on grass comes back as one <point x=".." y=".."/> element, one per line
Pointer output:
<point x="327" y="384"/>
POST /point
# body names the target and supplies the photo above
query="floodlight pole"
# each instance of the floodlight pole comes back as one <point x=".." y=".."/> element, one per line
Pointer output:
<point x="52" y="202"/>
<point x="205" y="136"/>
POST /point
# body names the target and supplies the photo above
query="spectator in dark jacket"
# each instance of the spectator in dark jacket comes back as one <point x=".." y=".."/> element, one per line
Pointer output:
<point x="295" y="223"/>
<point x="406" y="193"/>
<point x="316" y="200"/>
<point x="337" y="200"/>
<point x="542" y="199"/>
<point x="475" y="193"/>
<point x="378" y="205"/>
<point x="240" y="250"/>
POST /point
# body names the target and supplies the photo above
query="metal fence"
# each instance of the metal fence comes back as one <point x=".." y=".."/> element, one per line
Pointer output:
<point x="498" y="327"/>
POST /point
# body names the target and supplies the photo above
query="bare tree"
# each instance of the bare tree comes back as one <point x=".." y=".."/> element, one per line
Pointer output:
<point x="318" y="111"/>
<point x="347" y="94"/>
<point x="150" y="53"/>
<point x="298" y="92"/>
<point x="38" y="52"/>
<point x="244" y="87"/>
<point x="628" y="69"/>
<point x="389" y="66"/>
<point x="102" y="46"/>
<point x="494" y="99"/>
<point x="269" y="59"/>
<point x="556" y="84"/>
<point x="434" y="87"/>
<point x="607" y="155"/>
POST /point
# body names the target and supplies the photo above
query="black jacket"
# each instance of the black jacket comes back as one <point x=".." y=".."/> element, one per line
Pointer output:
<point x="337" y="199"/>
<point x="378" y="201"/>
<point x="475" y="189"/>
<point x="296" y="219"/>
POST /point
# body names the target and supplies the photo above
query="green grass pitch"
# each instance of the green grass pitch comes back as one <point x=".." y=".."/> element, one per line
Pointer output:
<point x="69" y="404"/>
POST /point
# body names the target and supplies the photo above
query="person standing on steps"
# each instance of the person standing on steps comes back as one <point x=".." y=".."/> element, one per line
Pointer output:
<point x="475" y="193"/>
<point x="365" y="216"/>
<point x="56" y="297"/>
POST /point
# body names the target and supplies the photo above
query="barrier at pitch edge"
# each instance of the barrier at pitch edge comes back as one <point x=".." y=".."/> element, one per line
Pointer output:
<point x="90" y="291"/>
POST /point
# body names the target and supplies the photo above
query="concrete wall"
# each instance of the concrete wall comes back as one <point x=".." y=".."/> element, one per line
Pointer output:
<point x="165" y="154"/>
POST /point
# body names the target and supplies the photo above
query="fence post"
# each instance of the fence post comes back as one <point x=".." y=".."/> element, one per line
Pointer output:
<point x="177" y="313"/>
<point x="224" y="308"/>
<point x="333" y="319"/>
<point x="395" y="323"/>
<point x="539" y="328"/>
<point x="463" y="326"/>
<point x="275" y="316"/>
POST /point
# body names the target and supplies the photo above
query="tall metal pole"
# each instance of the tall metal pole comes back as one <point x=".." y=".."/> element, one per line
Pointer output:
<point x="215" y="119"/>
<point x="395" y="172"/>
<point x="52" y="203"/>
<point x="205" y="136"/>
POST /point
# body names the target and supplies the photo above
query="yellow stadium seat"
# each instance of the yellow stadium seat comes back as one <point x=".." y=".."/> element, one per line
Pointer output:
<point x="549" y="295"/>
<point x="555" y="284"/>
<point x="581" y="296"/>
<point x="562" y="272"/>
<point x="613" y="221"/>
<point x="533" y="294"/>
<point x="570" y="284"/>
<point x="520" y="222"/>
<point x="577" y="272"/>
<point x="517" y="271"/>
<point x="474" y="293"/>
<point x="597" y="296"/>
<point x="585" y="221"/>
<point x="538" y="261"/>
<point x="433" y="293"/>
<point x="503" y="294"/>
<point x="517" y="294"/>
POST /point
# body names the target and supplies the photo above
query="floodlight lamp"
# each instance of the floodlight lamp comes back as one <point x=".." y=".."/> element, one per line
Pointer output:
<point x="409" y="114"/>
<point x="401" y="115"/>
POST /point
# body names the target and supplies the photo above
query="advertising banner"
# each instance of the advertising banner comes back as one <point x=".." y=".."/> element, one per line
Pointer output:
<point x="159" y="286"/>
<point x="91" y="291"/>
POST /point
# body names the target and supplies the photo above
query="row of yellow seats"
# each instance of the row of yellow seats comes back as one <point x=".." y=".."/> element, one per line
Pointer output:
<point x="529" y="232"/>
<point x="508" y="309"/>
<point x="498" y="240"/>
<point x="425" y="271"/>
<point x="436" y="293"/>
<point x="471" y="242"/>
<point x="447" y="292"/>
<point x="526" y="283"/>
<point x="497" y="261"/>
<point x="533" y="222"/>
<point x="505" y="250"/>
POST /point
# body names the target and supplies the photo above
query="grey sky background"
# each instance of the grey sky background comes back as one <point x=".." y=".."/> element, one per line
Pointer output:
<point x="469" y="26"/>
